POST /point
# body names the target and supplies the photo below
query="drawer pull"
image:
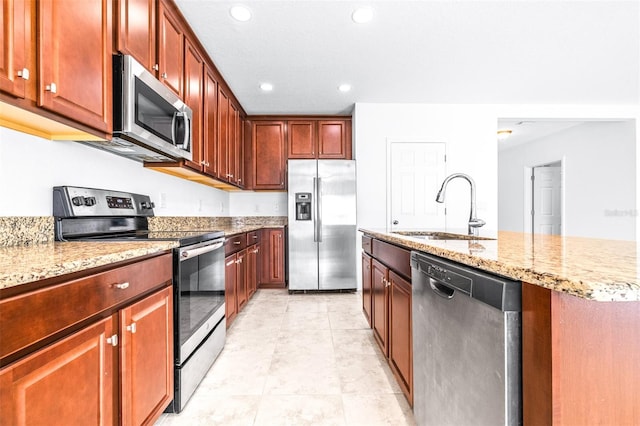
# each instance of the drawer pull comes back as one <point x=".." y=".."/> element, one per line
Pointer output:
<point x="51" y="88"/>
<point x="236" y="242"/>
<point x="132" y="328"/>
<point x="113" y="340"/>
<point x="24" y="73"/>
<point x="121" y="286"/>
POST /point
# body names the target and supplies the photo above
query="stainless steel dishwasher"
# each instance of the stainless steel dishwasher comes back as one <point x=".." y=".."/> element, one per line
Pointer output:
<point x="466" y="345"/>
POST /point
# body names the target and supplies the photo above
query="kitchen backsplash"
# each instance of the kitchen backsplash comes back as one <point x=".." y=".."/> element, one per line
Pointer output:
<point x="29" y="230"/>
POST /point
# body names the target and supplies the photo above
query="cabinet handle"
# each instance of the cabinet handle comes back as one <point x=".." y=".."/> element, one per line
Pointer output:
<point x="156" y="67"/>
<point x="239" y="260"/>
<point x="51" y="88"/>
<point x="231" y="262"/>
<point x="164" y="75"/>
<point x="207" y="164"/>
<point x="113" y="340"/>
<point x="255" y="237"/>
<point x="236" y="242"/>
<point x="121" y="286"/>
<point x="132" y="328"/>
<point x="24" y="73"/>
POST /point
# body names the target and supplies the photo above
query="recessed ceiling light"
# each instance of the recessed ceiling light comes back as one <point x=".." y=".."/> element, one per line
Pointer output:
<point x="267" y="87"/>
<point x="344" y="87"/>
<point x="240" y="13"/>
<point x="362" y="15"/>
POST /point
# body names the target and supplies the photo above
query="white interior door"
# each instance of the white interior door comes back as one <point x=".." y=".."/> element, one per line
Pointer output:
<point x="416" y="171"/>
<point x="547" y="200"/>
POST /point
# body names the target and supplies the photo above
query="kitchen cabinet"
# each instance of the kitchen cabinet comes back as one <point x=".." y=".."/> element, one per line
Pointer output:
<point x="579" y="359"/>
<point x="210" y="122"/>
<point x="390" y="280"/>
<point x="400" y="333"/>
<point x="241" y="279"/>
<point x="16" y="69"/>
<point x="223" y="135"/>
<point x="321" y="139"/>
<point x="108" y="354"/>
<point x="136" y="31"/>
<point x="273" y="267"/>
<point x="193" y="97"/>
<point x="240" y="272"/>
<point x="253" y="254"/>
<point x="236" y="147"/>
<point x="268" y="155"/>
<point x="367" y="288"/>
<point x="74" y="74"/>
<point x="230" y="295"/>
<point x="170" y="48"/>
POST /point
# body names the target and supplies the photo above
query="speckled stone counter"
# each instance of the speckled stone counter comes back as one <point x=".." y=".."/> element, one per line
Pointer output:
<point x="25" y="230"/>
<point x="24" y="264"/>
<point x="595" y="269"/>
<point x="231" y="225"/>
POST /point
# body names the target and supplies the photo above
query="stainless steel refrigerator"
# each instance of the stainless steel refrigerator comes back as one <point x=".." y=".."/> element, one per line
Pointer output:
<point x="322" y="224"/>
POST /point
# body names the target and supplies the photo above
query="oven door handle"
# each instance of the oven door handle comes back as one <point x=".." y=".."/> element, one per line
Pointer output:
<point x="186" y="254"/>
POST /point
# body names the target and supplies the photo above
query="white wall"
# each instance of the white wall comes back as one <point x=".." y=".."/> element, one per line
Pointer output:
<point x="600" y="179"/>
<point x="469" y="132"/>
<point x="248" y="203"/>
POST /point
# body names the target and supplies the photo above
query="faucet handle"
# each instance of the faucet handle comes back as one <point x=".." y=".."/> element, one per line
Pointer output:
<point x="476" y="223"/>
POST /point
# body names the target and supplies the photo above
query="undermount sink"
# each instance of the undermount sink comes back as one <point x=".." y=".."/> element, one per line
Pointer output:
<point x="434" y="235"/>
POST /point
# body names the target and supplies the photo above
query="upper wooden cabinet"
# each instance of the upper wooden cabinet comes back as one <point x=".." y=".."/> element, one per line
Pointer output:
<point x="136" y="32"/>
<point x="323" y="139"/>
<point x="170" y="48"/>
<point x="16" y="41"/>
<point x="193" y="97"/>
<point x="223" y="135"/>
<point x="75" y="48"/>
<point x="210" y="123"/>
<point x="268" y="155"/>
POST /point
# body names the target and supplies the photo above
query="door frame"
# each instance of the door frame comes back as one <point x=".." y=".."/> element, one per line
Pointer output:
<point x="528" y="195"/>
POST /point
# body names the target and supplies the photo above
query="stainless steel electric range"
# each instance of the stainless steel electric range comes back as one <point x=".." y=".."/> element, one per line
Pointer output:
<point x="87" y="214"/>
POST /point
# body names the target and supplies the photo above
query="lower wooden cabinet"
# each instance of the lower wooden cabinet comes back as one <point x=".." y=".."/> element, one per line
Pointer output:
<point x="118" y="367"/>
<point x="386" y="291"/>
<point x="273" y="259"/>
<point x="230" y="294"/>
<point x="241" y="271"/>
<point x="253" y="254"/>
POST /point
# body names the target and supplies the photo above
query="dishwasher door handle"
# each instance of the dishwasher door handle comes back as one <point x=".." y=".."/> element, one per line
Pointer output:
<point x="440" y="289"/>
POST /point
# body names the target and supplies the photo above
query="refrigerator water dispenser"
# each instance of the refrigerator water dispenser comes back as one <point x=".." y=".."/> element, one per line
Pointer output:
<point x="303" y="206"/>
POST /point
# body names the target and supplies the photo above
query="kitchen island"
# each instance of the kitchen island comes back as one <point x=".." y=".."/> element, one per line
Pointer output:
<point x="580" y="320"/>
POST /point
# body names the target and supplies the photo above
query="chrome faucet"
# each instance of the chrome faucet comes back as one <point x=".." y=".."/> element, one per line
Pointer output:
<point x="474" y="222"/>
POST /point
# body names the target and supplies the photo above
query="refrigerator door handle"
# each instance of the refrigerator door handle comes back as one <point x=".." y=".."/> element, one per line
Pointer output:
<point x="318" y="222"/>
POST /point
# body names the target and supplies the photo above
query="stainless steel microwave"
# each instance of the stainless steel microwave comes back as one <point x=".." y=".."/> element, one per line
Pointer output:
<point x="150" y="122"/>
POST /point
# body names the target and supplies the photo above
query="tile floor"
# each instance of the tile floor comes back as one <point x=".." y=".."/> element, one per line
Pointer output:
<point x="301" y="359"/>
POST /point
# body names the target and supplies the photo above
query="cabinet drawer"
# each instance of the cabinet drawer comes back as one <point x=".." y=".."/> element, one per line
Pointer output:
<point x="253" y="237"/>
<point x="34" y="316"/>
<point x="394" y="257"/>
<point x="366" y="244"/>
<point x="234" y="244"/>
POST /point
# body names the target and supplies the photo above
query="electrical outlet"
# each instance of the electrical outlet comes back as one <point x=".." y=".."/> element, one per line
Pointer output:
<point x="221" y="207"/>
<point x="257" y="208"/>
<point x="276" y="207"/>
<point x="162" y="200"/>
<point x="199" y="205"/>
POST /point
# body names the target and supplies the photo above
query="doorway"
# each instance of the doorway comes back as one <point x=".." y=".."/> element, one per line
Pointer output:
<point x="547" y="199"/>
<point x="416" y="170"/>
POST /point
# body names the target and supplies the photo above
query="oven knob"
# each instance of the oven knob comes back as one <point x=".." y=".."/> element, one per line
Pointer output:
<point x="147" y="205"/>
<point x="78" y="201"/>
<point x="90" y="201"/>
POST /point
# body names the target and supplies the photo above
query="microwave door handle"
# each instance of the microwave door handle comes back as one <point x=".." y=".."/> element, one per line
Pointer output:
<point x="173" y="127"/>
<point x="184" y="143"/>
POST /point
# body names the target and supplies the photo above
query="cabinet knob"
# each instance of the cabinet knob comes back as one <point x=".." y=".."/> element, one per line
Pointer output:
<point x="156" y="67"/>
<point x="132" y="328"/>
<point x="51" y="88"/>
<point x="24" y="73"/>
<point x="121" y="286"/>
<point x="113" y="340"/>
<point x="164" y="75"/>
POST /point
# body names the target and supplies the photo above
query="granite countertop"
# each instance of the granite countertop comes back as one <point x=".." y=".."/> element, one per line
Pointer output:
<point x="24" y="264"/>
<point x="595" y="269"/>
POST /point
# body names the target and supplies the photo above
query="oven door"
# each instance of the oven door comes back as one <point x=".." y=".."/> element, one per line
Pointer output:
<point x="199" y="294"/>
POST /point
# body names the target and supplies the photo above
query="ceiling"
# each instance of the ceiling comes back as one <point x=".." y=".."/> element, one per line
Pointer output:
<point x="436" y="51"/>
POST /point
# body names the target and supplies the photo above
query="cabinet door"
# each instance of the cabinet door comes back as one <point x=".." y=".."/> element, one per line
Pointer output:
<point x="269" y="159"/>
<point x="210" y="120"/>
<point x="239" y="151"/>
<point x="193" y="97"/>
<point x="380" y="304"/>
<point x="75" y="49"/>
<point x="230" y="298"/>
<point x="366" y="287"/>
<point x="253" y="253"/>
<point x="301" y="139"/>
<point x="15" y="38"/>
<point x="234" y="140"/>
<point x="146" y="331"/>
<point x="400" y="333"/>
<point x="137" y="31"/>
<point x="223" y="135"/>
<point x="273" y="258"/>
<point x="334" y="139"/>
<point x="241" y="279"/>
<point x="72" y="382"/>
<point x="170" y="49"/>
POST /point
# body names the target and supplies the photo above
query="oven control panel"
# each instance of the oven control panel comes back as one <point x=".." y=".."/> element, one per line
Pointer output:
<point x="74" y="201"/>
